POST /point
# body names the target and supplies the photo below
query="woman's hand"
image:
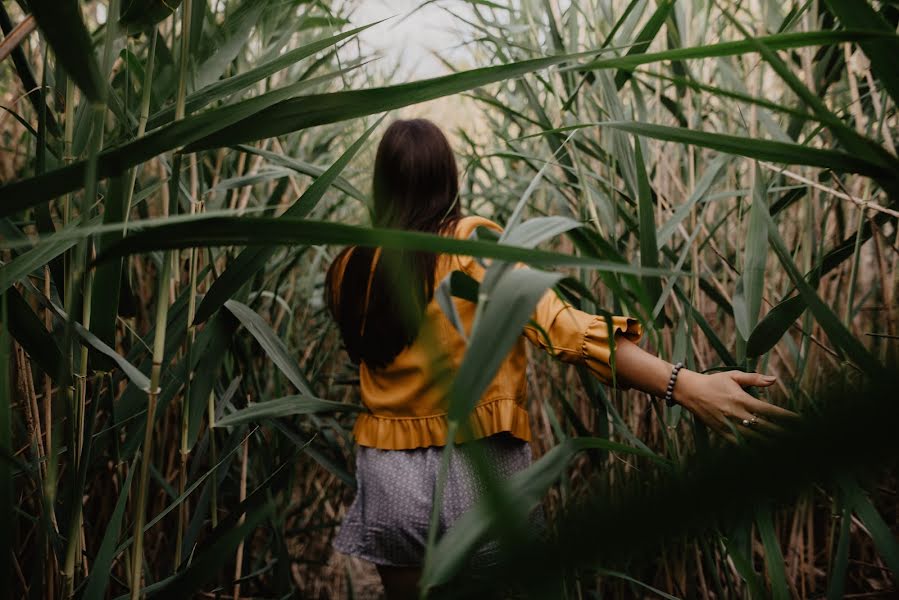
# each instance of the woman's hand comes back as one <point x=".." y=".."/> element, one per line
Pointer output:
<point x="719" y="401"/>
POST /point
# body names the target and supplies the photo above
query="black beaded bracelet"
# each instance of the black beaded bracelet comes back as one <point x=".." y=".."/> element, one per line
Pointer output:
<point x="669" y="393"/>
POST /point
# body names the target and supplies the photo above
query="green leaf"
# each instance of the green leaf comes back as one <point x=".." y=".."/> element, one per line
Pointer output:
<point x="143" y="14"/>
<point x="304" y="168"/>
<point x="510" y="304"/>
<point x="7" y="486"/>
<point x="108" y="277"/>
<point x="829" y="322"/>
<point x="774" y="559"/>
<point x="271" y="343"/>
<point x="130" y="371"/>
<point x="759" y="149"/>
<point x="649" y="250"/>
<point x="836" y="574"/>
<point x="63" y="27"/>
<point x="298" y="404"/>
<point x="774" y="325"/>
<point x="320" y="109"/>
<point x="645" y="37"/>
<point x="98" y="580"/>
<point x="30" y="333"/>
<point x="527" y="486"/>
<point x="243" y="80"/>
<point x="34" y="190"/>
<point x="209" y="562"/>
<point x="262" y="231"/>
<point x="780" y="41"/>
<point x="882" y="52"/>
<point x="880" y="531"/>
<point x="756" y="255"/>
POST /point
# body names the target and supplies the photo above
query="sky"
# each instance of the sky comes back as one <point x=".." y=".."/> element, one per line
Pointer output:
<point x="412" y="36"/>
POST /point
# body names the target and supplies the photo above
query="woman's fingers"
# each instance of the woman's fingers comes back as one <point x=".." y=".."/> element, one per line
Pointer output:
<point x="760" y="407"/>
<point x="739" y="432"/>
<point x="749" y="431"/>
<point x="759" y="424"/>
<point x="748" y="379"/>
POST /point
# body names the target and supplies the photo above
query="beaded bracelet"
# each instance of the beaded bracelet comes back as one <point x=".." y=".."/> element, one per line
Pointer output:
<point x="669" y="392"/>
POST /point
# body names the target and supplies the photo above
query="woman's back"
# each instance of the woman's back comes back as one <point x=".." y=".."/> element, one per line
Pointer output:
<point x="407" y="397"/>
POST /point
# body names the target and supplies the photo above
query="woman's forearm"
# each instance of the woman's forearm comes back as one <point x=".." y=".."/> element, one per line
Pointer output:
<point x="644" y="371"/>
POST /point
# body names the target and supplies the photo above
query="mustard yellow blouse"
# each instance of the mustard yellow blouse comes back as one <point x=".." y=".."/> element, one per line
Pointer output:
<point x="407" y="404"/>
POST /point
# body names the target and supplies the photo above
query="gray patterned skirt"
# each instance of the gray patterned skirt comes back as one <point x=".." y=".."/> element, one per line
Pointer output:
<point x="387" y="523"/>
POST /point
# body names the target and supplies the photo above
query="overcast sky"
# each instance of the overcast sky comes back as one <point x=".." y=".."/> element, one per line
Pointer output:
<point x="413" y="39"/>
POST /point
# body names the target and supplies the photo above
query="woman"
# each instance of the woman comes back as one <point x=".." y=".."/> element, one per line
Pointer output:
<point x="394" y="329"/>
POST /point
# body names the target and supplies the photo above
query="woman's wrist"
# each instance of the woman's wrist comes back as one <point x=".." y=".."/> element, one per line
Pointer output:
<point x="683" y="387"/>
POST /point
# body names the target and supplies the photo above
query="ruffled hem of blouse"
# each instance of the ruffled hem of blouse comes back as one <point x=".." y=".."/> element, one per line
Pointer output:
<point x="595" y="348"/>
<point x="405" y="433"/>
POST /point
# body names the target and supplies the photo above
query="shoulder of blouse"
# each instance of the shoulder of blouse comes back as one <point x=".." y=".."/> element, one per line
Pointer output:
<point x="467" y="224"/>
<point x="464" y="228"/>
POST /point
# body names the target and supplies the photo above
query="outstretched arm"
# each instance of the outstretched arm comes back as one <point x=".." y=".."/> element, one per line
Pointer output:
<point x="718" y="400"/>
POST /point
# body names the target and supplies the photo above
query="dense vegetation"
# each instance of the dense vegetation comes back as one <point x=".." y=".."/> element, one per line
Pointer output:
<point x="175" y="405"/>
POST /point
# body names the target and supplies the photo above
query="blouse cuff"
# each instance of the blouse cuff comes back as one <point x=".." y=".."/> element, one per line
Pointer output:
<point x="596" y="350"/>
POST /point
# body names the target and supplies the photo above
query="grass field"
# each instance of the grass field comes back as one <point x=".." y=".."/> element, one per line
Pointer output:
<point x="175" y="178"/>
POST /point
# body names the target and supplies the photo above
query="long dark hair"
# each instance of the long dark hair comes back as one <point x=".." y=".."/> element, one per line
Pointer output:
<point x="415" y="186"/>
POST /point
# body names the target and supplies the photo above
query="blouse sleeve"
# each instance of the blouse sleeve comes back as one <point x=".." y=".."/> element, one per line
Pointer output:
<point x="574" y="336"/>
<point x="579" y="337"/>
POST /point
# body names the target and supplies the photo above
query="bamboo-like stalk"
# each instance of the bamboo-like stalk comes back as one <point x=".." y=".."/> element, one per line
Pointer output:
<point x="184" y="452"/>
<point x="162" y="307"/>
<point x="146" y="93"/>
<point x="242" y="494"/>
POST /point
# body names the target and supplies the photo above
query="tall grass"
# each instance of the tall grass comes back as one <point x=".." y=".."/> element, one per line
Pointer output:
<point x="178" y="404"/>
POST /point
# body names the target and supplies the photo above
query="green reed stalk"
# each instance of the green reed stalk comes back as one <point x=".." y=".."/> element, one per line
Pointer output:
<point x="144" y="116"/>
<point x="162" y="309"/>
<point x="191" y="307"/>
<point x="78" y="277"/>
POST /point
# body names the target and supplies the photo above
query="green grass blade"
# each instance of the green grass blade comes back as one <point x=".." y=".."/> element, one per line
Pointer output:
<point x="98" y="580"/>
<point x="759" y="149"/>
<point x="645" y="37"/>
<point x="774" y="559"/>
<point x="28" y="330"/>
<point x="34" y="190"/>
<point x="780" y="41"/>
<point x="886" y="543"/>
<point x="882" y="52"/>
<point x="831" y="324"/>
<point x="205" y="565"/>
<point x="63" y="27"/>
<point x="261" y="231"/>
<point x="7" y="488"/>
<point x="511" y="303"/>
<point x="298" y="404"/>
<point x="108" y="278"/>
<point x="756" y="255"/>
<point x="836" y="574"/>
<point x="305" y="168"/>
<point x="649" y="249"/>
<point x="528" y="486"/>
<point x="774" y="325"/>
<point x="320" y="109"/>
<point x="241" y="81"/>
<point x="271" y="343"/>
